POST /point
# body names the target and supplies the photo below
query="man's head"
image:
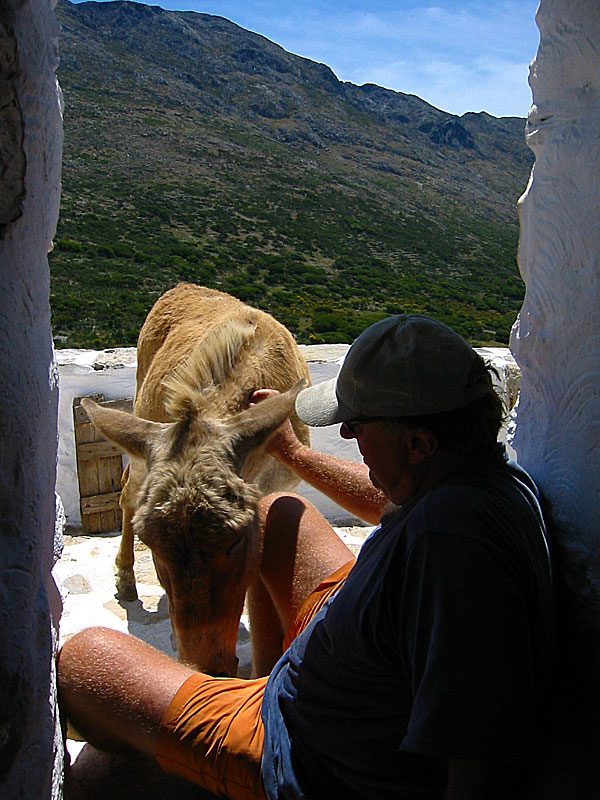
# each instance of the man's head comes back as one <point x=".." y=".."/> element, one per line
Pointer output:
<point x="414" y="371"/>
<point x="403" y="366"/>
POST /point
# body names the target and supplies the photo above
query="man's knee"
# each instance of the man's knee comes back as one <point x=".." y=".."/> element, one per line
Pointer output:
<point x="88" y="641"/>
<point x="78" y="646"/>
<point x="79" y="656"/>
<point x="281" y="509"/>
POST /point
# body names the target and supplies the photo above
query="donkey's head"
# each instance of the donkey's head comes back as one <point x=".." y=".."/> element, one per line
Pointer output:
<point x="198" y="516"/>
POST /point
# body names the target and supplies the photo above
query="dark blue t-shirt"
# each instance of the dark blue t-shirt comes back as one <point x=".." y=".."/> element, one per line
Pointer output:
<point x="434" y="648"/>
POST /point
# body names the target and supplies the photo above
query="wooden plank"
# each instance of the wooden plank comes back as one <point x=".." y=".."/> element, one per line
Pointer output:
<point x="90" y="451"/>
<point x="124" y="404"/>
<point x="109" y="477"/>
<point x="100" y="502"/>
<point x="86" y="473"/>
<point x="99" y="469"/>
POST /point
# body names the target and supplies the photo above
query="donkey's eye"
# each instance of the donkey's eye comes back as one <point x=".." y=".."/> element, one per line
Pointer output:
<point x="236" y="544"/>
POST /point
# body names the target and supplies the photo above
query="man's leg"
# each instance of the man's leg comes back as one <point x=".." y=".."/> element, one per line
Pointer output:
<point x="97" y="775"/>
<point x="299" y="549"/>
<point x="115" y="688"/>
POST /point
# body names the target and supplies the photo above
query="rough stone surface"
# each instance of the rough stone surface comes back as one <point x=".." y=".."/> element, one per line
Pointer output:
<point x="29" y="601"/>
<point x="76" y="584"/>
<point x="12" y="154"/>
<point x="555" y="342"/>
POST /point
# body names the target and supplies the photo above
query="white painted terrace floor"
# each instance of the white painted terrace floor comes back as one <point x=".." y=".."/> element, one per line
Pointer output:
<point x="85" y="577"/>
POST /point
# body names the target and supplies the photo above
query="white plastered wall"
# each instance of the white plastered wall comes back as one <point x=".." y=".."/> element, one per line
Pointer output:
<point x="556" y="342"/>
<point x="30" y="152"/>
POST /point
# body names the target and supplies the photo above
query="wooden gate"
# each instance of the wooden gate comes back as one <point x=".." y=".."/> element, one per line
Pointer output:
<point x="99" y="469"/>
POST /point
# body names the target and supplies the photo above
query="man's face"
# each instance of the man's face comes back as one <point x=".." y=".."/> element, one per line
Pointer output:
<point x="386" y="451"/>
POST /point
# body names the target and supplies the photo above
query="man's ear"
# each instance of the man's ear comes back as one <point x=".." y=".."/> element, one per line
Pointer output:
<point x="422" y="444"/>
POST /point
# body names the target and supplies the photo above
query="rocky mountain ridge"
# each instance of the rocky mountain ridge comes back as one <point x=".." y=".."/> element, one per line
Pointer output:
<point x="169" y="111"/>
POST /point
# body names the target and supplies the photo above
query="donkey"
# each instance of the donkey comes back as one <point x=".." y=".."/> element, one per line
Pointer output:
<point x="197" y="460"/>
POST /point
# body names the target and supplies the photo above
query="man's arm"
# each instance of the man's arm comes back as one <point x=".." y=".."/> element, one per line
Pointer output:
<point x="345" y="482"/>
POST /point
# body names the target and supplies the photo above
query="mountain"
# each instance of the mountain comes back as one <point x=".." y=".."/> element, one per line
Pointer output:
<point x="197" y="150"/>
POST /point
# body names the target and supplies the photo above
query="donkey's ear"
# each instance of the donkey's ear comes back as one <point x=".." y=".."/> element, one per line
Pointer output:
<point x="252" y="427"/>
<point x="132" y="434"/>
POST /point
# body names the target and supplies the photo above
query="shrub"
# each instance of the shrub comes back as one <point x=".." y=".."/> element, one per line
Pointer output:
<point x="69" y="246"/>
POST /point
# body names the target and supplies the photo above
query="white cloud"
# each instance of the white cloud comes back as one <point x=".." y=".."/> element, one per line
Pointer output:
<point x="456" y="60"/>
<point x="498" y="87"/>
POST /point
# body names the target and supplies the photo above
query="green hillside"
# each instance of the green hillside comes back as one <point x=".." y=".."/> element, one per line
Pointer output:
<point x="195" y="150"/>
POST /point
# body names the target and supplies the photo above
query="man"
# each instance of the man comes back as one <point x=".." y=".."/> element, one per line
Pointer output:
<point x="414" y="672"/>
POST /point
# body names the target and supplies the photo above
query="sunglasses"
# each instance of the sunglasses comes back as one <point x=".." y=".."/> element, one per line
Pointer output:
<point x="354" y="425"/>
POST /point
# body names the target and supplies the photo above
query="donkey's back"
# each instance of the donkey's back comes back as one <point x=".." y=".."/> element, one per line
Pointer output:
<point x="184" y="320"/>
<point x="197" y="457"/>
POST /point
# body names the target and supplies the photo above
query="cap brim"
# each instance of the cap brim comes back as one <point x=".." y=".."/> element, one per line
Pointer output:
<point x="319" y="405"/>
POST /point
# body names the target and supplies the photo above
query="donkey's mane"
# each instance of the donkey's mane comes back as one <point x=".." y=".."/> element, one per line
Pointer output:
<point x="195" y="383"/>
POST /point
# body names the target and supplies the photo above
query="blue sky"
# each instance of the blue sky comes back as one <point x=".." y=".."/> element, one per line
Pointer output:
<point x="459" y="55"/>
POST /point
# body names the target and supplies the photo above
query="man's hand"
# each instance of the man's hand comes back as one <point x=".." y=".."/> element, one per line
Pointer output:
<point x="345" y="482"/>
<point x="282" y="442"/>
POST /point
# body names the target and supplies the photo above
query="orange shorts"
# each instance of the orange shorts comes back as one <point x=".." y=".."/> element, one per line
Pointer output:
<point x="212" y="732"/>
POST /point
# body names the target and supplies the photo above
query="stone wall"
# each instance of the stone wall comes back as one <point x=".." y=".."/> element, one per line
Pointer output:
<point x="30" y="153"/>
<point x="557" y="346"/>
<point x="112" y="374"/>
